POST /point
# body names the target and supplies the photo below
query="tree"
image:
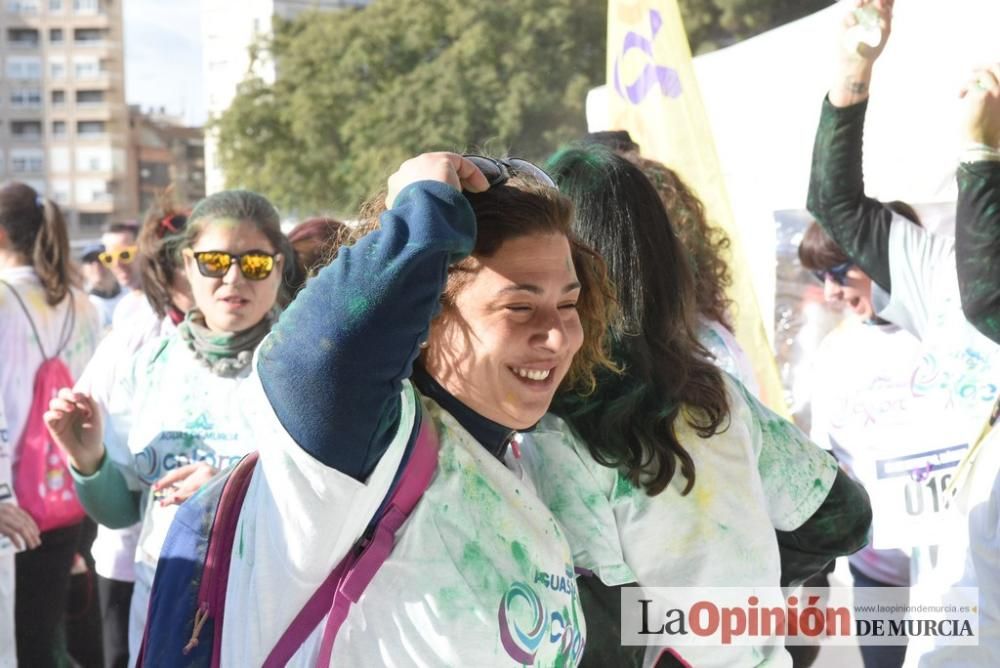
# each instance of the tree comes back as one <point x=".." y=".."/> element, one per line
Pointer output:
<point x="711" y="24"/>
<point x="359" y="91"/>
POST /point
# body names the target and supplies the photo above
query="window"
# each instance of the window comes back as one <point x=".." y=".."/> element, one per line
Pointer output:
<point x="26" y="97"/>
<point x="26" y="129"/>
<point x="55" y="5"/>
<point x="24" y="38"/>
<point x="86" y="68"/>
<point x="89" y="128"/>
<point x="89" y="36"/>
<point x="90" y="97"/>
<point x="59" y="159"/>
<point x="58" y="98"/>
<point x="59" y="190"/>
<point x="55" y="36"/>
<point x="86" y="6"/>
<point x="22" y="6"/>
<point x="58" y="128"/>
<point x="93" y="159"/>
<point x="27" y="160"/>
<point x="24" y="67"/>
<point x="92" y="190"/>
<point x="57" y="69"/>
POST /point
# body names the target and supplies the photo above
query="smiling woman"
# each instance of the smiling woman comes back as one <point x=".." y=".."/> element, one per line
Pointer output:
<point x="463" y="313"/>
<point x="174" y="419"/>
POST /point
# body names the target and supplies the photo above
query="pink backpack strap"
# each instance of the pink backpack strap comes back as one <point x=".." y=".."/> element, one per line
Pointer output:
<point x="349" y="579"/>
<point x="215" y="573"/>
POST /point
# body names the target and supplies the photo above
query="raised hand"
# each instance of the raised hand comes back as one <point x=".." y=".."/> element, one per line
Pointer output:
<point x="450" y="168"/>
<point x="856" y="58"/>
<point x="74" y="421"/>
<point x="981" y="117"/>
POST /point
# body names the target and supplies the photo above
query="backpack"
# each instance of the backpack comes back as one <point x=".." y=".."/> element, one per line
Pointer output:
<point x="187" y="603"/>
<point x="42" y="482"/>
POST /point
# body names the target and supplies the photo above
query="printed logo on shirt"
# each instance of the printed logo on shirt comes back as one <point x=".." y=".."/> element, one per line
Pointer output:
<point x="174" y="449"/>
<point x="526" y="625"/>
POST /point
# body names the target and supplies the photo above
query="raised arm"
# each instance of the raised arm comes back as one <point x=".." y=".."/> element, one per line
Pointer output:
<point x="334" y="364"/>
<point x="859" y="224"/>
<point x="977" y="216"/>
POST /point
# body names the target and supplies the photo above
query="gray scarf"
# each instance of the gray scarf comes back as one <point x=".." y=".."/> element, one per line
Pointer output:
<point x="226" y="354"/>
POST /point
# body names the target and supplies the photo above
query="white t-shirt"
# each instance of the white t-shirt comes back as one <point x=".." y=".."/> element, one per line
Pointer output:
<point x="19" y="360"/>
<point x="167" y="411"/>
<point x="480" y="575"/>
<point x="114" y="549"/>
<point x="758" y="475"/>
<point x="960" y="360"/>
<point x="19" y="349"/>
<point x="727" y="353"/>
<point x="106" y="307"/>
<point x="8" y="653"/>
<point x="864" y="411"/>
<point x="132" y="305"/>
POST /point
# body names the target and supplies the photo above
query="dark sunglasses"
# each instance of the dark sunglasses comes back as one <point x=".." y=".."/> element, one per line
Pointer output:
<point x="256" y="265"/>
<point x="499" y="170"/>
<point x="837" y="274"/>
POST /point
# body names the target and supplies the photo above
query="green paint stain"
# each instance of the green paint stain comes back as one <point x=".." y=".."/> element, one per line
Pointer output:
<point x="521" y="557"/>
<point x="357" y="306"/>
<point x="241" y="539"/>
<point x="623" y="487"/>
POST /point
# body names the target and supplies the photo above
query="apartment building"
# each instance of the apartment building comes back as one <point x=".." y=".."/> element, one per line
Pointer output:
<point x="228" y="28"/>
<point x="63" y="119"/>
<point x="166" y="153"/>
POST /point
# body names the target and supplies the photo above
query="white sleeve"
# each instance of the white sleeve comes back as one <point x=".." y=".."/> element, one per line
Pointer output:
<point x="921" y="267"/>
<point x="312" y="511"/>
<point x="795" y="474"/>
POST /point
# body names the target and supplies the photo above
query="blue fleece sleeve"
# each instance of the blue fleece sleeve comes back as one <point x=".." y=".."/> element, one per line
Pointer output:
<point x="333" y="366"/>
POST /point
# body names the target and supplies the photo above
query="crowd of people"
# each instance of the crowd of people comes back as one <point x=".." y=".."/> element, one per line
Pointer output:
<point x="451" y="433"/>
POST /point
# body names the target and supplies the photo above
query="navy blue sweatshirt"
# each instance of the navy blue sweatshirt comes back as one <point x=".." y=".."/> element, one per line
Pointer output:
<point x="333" y="365"/>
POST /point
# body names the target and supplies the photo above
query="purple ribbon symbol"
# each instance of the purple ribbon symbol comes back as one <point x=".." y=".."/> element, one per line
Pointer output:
<point x="652" y="75"/>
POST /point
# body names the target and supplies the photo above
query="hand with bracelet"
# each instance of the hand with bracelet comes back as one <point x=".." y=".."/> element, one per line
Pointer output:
<point x="857" y="58"/>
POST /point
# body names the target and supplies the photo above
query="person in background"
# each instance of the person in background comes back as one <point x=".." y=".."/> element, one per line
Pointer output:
<point x="707" y="247"/>
<point x="99" y="283"/>
<point x="670" y="473"/>
<point x="314" y="239"/>
<point x="464" y="311"/>
<point x="970" y="554"/>
<point x="166" y="288"/>
<point x="862" y="403"/>
<point x="120" y="251"/>
<point x="174" y="418"/>
<point x="41" y="315"/>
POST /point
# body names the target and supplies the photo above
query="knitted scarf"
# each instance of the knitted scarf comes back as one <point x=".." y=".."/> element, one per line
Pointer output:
<point x="226" y="354"/>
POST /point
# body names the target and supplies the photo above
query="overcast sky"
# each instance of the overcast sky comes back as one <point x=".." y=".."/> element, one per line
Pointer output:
<point x="163" y="56"/>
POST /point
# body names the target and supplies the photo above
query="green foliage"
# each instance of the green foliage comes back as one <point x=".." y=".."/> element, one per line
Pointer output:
<point x="360" y="91"/>
<point x="712" y="24"/>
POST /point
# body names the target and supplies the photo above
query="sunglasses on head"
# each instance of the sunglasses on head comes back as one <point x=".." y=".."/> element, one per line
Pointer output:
<point x="838" y="273"/>
<point x="499" y="170"/>
<point x="256" y="265"/>
<point x="124" y="255"/>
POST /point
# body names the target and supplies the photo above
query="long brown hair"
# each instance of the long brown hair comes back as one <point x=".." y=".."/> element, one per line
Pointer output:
<point x="37" y="230"/>
<point x="629" y="421"/>
<point x="158" y="261"/>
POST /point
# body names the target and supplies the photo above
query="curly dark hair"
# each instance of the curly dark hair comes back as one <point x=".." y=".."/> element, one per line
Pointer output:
<point x="707" y="246"/>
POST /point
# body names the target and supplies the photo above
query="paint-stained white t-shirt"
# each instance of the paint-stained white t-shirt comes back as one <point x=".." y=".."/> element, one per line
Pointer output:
<point x="481" y="573"/>
<point x="758" y="475"/>
<point x="8" y="654"/>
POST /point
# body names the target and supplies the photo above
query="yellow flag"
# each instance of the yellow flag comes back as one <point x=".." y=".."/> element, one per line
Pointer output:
<point x="653" y="94"/>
